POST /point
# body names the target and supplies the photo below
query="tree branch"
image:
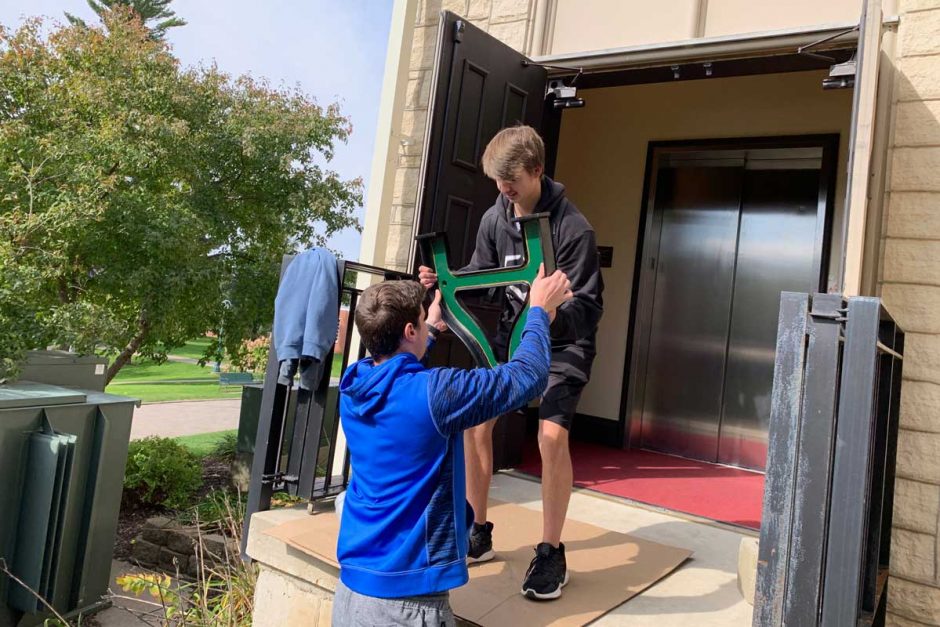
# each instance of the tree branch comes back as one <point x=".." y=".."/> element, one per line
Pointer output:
<point x="143" y="328"/>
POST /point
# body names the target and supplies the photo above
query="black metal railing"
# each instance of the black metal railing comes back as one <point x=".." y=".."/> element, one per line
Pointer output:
<point x="828" y="497"/>
<point x="296" y="446"/>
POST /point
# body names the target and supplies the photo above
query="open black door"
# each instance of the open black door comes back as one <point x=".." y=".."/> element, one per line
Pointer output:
<point x="480" y="86"/>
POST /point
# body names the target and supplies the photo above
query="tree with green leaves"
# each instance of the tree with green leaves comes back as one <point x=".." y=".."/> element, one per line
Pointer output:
<point x="142" y="204"/>
<point x="155" y="14"/>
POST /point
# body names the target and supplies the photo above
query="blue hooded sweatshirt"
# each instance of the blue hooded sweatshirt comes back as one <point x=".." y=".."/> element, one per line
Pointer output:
<point x="406" y="518"/>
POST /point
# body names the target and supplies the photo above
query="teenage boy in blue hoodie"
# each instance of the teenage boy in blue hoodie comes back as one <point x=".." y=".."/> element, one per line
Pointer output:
<point x="403" y="535"/>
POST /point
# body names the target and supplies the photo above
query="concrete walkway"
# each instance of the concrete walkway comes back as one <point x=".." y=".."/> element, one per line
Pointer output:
<point x="171" y="420"/>
<point x="128" y="609"/>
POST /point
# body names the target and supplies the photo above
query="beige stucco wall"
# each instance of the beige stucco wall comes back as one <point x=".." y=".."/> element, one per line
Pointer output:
<point x="602" y="161"/>
<point x="581" y="25"/>
<point x="911" y="290"/>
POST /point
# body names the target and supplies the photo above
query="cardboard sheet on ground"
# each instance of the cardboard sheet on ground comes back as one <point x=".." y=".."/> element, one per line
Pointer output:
<point x="606" y="568"/>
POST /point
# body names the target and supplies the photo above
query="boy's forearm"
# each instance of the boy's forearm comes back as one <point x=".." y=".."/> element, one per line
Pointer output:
<point x="461" y="399"/>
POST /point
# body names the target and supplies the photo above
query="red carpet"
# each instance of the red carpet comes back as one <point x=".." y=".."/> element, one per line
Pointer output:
<point x="718" y="492"/>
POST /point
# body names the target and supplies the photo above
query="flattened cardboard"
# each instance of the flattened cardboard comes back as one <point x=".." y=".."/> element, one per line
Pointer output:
<point x="314" y="535"/>
<point x="606" y="568"/>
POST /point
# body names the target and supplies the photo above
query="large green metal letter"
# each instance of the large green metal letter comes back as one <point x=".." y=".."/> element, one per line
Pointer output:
<point x="538" y="244"/>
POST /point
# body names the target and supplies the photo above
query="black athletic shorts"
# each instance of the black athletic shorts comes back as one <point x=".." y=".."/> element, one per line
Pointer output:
<point x="560" y="400"/>
<point x="569" y="373"/>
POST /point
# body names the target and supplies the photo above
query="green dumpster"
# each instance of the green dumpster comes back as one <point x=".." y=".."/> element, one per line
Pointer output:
<point x="62" y="458"/>
<point x="85" y="372"/>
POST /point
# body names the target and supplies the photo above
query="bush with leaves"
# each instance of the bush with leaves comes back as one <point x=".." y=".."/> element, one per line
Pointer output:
<point x="252" y="355"/>
<point x="214" y="509"/>
<point x="226" y="448"/>
<point x="160" y="471"/>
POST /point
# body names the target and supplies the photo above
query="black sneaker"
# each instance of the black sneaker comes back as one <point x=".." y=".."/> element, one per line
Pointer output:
<point x="481" y="543"/>
<point x="547" y="574"/>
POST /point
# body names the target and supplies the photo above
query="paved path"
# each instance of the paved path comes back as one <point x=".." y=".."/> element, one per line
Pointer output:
<point x="182" y="360"/>
<point x="185" y="418"/>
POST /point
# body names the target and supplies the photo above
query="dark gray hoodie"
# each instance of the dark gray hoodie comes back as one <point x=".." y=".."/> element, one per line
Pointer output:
<point x="500" y="243"/>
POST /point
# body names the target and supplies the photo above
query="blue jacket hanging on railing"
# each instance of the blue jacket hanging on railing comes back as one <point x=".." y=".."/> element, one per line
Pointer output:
<point x="306" y="312"/>
<point x="405" y="519"/>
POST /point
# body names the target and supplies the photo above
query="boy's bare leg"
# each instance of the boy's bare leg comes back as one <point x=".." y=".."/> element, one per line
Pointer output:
<point x="557" y="478"/>
<point x="478" y="453"/>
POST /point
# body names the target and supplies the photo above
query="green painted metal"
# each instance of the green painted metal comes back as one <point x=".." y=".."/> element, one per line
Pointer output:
<point x="40" y="515"/>
<point x="31" y="394"/>
<point x="62" y="465"/>
<point x="539" y="250"/>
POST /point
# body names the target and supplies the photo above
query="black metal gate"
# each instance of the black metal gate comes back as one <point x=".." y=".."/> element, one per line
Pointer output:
<point x="828" y="497"/>
<point x="296" y="445"/>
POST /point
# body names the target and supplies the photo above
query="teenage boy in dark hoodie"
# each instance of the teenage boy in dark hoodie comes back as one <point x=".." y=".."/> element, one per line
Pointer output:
<point x="405" y="521"/>
<point x="515" y="160"/>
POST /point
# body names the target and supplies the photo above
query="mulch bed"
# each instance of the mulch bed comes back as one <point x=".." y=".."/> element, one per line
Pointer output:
<point x="216" y="475"/>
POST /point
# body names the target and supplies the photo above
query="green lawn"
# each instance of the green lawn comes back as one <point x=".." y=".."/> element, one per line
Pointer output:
<point x="203" y="444"/>
<point x="150" y="372"/>
<point x="337" y="369"/>
<point x="171" y="380"/>
<point x="180" y="381"/>
<point x="194" y="349"/>
<point x="160" y="392"/>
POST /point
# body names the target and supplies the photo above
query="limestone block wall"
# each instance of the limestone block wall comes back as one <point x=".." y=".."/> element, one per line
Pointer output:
<point x="164" y="544"/>
<point x="510" y="21"/>
<point x="910" y="286"/>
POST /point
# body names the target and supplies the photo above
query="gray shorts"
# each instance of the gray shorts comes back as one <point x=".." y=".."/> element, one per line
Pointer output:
<point x="351" y="609"/>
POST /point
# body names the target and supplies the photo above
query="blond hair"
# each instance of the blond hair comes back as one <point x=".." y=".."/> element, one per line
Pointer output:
<point x="513" y="148"/>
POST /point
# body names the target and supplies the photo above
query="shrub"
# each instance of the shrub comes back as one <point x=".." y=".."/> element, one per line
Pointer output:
<point x="252" y="355"/>
<point x="226" y="448"/>
<point x="160" y="471"/>
<point x="214" y="509"/>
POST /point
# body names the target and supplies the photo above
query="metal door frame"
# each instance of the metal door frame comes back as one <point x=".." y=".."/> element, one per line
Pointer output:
<point x="635" y="361"/>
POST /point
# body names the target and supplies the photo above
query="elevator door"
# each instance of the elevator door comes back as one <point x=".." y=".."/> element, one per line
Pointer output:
<point x="732" y="231"/>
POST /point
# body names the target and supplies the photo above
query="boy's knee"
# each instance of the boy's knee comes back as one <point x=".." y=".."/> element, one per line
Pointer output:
<point x="553" y="438"/>
<point x="481" y="435"/>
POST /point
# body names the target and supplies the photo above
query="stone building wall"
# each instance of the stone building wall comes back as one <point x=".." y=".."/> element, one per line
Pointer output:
<point x="910" y="287"/>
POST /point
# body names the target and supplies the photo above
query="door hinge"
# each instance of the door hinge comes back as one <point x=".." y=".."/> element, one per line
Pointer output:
<point x="459" y="28"/>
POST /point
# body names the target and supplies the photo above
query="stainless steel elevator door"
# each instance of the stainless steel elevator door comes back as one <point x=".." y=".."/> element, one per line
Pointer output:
<point x="775" y="254"/>
<point x="697" y="211"/>
<point x="730" y="231"/>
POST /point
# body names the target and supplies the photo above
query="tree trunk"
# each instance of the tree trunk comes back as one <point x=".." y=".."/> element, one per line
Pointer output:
<point x="143" y="327"/>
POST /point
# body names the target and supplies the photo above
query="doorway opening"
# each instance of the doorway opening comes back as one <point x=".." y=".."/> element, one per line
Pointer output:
<point x="644" y="144"/>
<point x="702" y="235"/>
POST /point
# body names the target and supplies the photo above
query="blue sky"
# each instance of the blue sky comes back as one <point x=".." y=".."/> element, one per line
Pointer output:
<point x="333" y="49"/>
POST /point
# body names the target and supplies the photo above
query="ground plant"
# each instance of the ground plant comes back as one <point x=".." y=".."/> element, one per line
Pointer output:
<point x="160" y="471"/>
<point x="222" y="593"/>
